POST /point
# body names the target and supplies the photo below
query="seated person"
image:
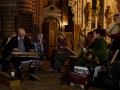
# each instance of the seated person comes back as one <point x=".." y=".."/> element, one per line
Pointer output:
<point x="5" y="53"/>
<point x="97" y="53"/>
<point x="40" y="45"/>
<point x="20" y="43"/>
<point x="57" y="59"/>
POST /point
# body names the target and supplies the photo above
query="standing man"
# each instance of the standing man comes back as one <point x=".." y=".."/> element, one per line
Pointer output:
<point x="5" y="53"/>
<point x="20" y="43"/>
<point x="114" y="34"/>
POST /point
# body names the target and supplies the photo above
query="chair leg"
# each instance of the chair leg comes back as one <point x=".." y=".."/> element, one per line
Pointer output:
<point x="36" y="77"/>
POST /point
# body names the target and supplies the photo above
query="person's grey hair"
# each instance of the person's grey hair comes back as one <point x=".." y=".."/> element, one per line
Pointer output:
<point x="61" y="33"/>
<point x="117" y="15"/>
<point x="40" y="34"/>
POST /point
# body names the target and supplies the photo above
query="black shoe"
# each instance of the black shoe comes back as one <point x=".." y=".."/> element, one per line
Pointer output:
<point x="32" y="78"/>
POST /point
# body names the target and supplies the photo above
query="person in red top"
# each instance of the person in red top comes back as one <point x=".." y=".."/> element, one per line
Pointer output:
<point x="57" y="59"/>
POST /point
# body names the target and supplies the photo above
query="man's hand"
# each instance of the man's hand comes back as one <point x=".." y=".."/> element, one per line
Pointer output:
<point x="15" y="49"/>
<point x="31" y="50"/>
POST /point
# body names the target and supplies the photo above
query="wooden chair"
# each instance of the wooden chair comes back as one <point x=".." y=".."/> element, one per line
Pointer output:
<point x="44" y="65"/>
<point x="113" y="55"/>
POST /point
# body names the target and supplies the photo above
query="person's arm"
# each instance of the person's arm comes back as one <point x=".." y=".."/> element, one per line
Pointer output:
<point x="2" y="47"/>
<point x="29" y="43"/>
<point x="89" y="44"/>
<point x="102" y="47"/>
<point x="68" y="44"/>
<point x="115" y="35"/>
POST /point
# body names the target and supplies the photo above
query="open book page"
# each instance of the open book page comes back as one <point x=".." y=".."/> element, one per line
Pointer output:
<point x="36" y="63"/>
<point x="25" y="64"/>
<point x="66" y="50"/>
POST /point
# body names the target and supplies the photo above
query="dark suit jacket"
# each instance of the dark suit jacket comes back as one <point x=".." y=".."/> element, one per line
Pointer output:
<point x="14" y="44"/>
<point x="4" y="42"/>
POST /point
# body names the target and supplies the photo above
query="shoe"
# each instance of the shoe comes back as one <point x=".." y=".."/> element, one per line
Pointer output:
<point x="51" y="69"/>
<point x="32" y="78"/>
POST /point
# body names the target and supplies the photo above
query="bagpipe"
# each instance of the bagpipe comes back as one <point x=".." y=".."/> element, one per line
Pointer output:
<point x="93" y="59"/>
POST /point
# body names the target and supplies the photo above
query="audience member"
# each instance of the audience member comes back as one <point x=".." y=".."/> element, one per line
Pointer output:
<point x="5" y="53"/>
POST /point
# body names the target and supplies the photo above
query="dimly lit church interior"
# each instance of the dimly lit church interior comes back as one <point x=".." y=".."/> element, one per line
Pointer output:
<point x="59" y="45"/>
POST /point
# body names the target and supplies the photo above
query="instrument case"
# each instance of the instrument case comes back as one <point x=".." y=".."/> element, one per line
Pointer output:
<point x="80" y="80"/>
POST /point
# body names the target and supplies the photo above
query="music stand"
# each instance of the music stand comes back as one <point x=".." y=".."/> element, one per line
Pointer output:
<point x="36" y="64"/>
<point x="65" y="51"/>
<point x="25" y="65"/>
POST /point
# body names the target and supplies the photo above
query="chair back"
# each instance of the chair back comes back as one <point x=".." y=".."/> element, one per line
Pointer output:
<point x="113" y="55"/>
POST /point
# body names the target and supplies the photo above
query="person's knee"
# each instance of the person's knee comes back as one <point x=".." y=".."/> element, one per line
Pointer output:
<point x="80" y="61"/>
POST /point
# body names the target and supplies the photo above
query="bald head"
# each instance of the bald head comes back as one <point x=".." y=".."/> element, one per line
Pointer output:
<point x="21" y="33"/>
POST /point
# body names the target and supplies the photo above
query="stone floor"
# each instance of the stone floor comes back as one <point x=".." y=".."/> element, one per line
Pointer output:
<point x="51" y="82"/>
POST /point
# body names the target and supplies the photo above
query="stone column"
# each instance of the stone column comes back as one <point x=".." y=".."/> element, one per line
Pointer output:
<point x="103" y="12"/>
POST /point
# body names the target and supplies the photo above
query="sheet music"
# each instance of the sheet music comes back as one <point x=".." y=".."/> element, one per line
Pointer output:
<point x="25" y="64"/>
<point x="36" y="63"/>
<point x="66" y="50"/>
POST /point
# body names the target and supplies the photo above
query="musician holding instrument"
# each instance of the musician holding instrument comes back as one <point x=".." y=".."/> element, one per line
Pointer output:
<point x="57" y="59"/>
<point x="89" y="40"/>
<point x="98" y="53"/>
<point x="20" y="43"/>
<point x="114" y="34"/>
<point x="40" y="46"/>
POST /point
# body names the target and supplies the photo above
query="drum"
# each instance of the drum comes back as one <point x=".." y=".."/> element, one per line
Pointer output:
<point x="114" y="70"/>
<point x="115" y="28"/>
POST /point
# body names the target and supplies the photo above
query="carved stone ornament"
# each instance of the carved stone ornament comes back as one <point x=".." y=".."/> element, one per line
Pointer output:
<point x="73" y="4"/>
<point x="115" y="7"/>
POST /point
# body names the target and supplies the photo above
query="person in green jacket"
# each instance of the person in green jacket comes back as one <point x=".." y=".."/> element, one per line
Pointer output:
<point x="98" y="51"/>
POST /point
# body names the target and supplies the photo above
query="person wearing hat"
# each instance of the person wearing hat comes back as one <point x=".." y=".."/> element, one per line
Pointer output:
<point x="57" y="59"/>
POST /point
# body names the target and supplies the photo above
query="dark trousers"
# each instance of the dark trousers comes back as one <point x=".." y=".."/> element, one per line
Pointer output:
<point x="16" y="63"/>
<point x="4" y="60"/>
<point x="57" y="62"/>
<point x="52" y="60"/>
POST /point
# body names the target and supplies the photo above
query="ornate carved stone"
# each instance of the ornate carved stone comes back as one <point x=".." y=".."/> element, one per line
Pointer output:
<point x="73" y="4"/>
